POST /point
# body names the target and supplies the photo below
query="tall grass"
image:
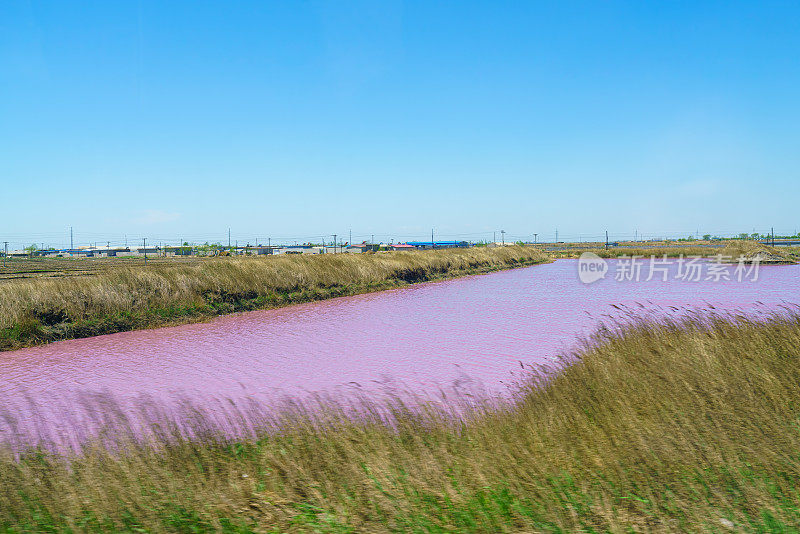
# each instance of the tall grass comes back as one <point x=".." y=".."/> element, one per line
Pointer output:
<point x="671" y="251"/>
<point x="730" y="249"/>
<point x="689" y="426"/>
<point x="40" y="310"/>
<point x="750" y="250"/>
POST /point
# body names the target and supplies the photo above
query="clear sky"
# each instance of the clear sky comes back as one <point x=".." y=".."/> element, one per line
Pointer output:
<point x="300" y="119"/>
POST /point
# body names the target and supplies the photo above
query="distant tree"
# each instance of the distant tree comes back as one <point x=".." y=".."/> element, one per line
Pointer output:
<point x="707" y="237"/>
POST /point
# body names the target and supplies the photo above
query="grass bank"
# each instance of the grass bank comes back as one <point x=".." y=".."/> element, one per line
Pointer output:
<point x="41" y="310"/>
<point x="731" y="250"/>
<point x="664" y="428"/>
<point x="639" y="249"/>
<point x="752" y="251"/>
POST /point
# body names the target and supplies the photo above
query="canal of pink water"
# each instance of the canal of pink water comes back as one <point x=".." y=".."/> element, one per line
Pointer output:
<point x="470" y="334"/>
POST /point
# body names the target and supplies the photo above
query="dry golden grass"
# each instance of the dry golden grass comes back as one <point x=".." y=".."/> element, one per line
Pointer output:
<point x="39" y="310"/>
<point x="733" y="248"/>
<point x="55" y="267"/>
<point x="749" y="250"/>
<point x="664" y="428"/>
<point x="658" y="251"/>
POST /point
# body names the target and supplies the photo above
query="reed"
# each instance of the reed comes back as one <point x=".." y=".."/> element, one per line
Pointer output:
<point x="672" y="251"/>
<point x="660" y="427"/>
<point x="750" y="250"/>
<point x="39" y="310"/>
<point x="731" y="250"/>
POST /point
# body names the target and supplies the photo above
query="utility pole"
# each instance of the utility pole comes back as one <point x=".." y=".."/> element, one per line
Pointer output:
<point x="503" y="233"/>
<point x="556" y="235"/>
<point x="334" y="243"/>
<point x="5" y="254"/>
<point x="433" y="243"/>
<point x="772" y="231"/>
<point x="229" y="238"/>
<point x="71" y="246"/>
<point x="144" y="243"/>
<point x="606" y="239"/>
<point x="351" y="238"/>
<point x="494" y="238"/>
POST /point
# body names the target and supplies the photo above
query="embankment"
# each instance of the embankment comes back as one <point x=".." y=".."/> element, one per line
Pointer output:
<point x="41" y="310"/>
<point x="663" y="428"/>
<point x="730" y="250"/>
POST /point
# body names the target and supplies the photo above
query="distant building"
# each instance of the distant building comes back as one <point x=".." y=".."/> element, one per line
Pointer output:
<point x="111" y="252"/>
<point x="179" y="250"/>
<point x="438" y="244"/>
<point x="298" y="249"/>
<point x="80" y="252"/>
<point x="362" y="247"/>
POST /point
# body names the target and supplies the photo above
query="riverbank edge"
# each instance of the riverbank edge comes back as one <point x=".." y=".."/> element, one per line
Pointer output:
<point x="729" y="252"/>
<point x="33" y="333"/>
<point x="673" y="426"/>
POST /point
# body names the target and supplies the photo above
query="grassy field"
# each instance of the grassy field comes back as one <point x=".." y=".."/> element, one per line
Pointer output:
<point x="49" y="299"/>
<point x="731" y="248"/>
<point x="615" y="252"/>
<point x="54" y="267"/>
<point x="662" y="428"/>
<point x="646" y="249"/>
<point x="87" y="298"/>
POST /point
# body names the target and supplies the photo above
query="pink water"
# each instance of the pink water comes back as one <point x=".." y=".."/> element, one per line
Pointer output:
<point x="470" y="334"/>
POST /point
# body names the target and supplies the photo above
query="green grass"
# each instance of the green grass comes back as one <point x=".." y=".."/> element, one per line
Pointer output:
<point x="662" y="428"/>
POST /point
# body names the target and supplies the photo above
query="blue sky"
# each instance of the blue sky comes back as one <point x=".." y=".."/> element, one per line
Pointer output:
<point x="295" y="120"/>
